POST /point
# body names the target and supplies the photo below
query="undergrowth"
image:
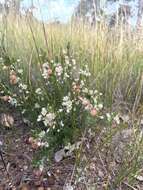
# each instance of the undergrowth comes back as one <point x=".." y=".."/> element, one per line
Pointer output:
<point x="61" y="93"/>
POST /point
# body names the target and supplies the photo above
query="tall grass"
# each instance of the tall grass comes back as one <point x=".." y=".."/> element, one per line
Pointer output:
<point x="115" y="55"/>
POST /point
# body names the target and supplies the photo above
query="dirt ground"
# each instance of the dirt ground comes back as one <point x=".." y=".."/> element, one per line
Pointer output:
<point x="16" y="168"/>
<point x="95" y="165"/>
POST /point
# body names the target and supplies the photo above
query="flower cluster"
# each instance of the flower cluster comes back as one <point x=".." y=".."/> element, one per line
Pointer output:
<point x="59" y="70"/>
<point x="38" y="143"/>
<point x="58" y="106"/>
<point x="67" y="104"/>
<point x="47" y="118"/>
<point x="47" y="71"/>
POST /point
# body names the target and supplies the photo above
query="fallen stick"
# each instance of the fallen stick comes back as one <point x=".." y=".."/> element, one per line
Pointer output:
<point x="4" y="164"/>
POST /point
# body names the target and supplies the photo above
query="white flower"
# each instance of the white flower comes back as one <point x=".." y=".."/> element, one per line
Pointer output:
<point x="38" y="91"/>
<point x="85" y="90"/>
<point x="73" y="61"/>
<point x="45" y="65"/>
<point x="58" y="130"/>
<point x="101" y="117"/>
<point x="27" y="92"/>
<point x="60" y="110"/>
<point x="44" y="112"/>
<point x="100" y="106"/>
<point x="85" y="73"/>
<point x="46" y="69"/>
<point x="64" y="51"/>
<point x="1" y="59"/>
<point x="95" y="91"/>
<point x="46" y="144"/>
<point x="45" y="74"/>
<point x="39" y="143"/>
<point x="49" y="119"/>
<point x="23" y="86"/>
<point x="91" y="92"/>
<point x="18" y="60"/>
<point x="82" y="83"/>
<point x="4" y="67"/>
<point x="117" y="119"/>
<point x="67" y="103"/>
<point x="66" y="98"/>
<point x="62" y="124"/>
<point x="39" y="118"/>
<point x="59" y="70"/>
<point x="108" y="116"/>
<point x="66" y="76"/>
<point x="41" y="134"/>
<point x="67" y="62"/>
<point x="20" y="71"/>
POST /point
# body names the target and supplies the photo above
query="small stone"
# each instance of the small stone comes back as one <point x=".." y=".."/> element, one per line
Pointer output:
<point x="25" y="167"/>
<point x="139" y="178"/>
<point x="58" y="171"/>
<point x="59" y="155"/>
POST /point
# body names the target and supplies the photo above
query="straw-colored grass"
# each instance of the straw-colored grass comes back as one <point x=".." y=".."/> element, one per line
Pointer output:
<point x="114" y="55"/>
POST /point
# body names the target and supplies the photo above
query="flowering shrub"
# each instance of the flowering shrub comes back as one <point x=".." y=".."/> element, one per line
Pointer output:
<point x="57" y="103"/>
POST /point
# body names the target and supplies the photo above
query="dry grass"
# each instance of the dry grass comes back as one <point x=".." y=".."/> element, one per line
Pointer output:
<point x="114" y="55"/>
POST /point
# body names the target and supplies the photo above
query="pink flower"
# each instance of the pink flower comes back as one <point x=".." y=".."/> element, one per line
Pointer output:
<point x="49" y="72"/>
<point x="93" y="112"/>
<point x="84" y="101"/>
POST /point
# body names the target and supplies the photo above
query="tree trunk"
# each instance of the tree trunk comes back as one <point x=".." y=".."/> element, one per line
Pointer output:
<point x="140" y="13"/>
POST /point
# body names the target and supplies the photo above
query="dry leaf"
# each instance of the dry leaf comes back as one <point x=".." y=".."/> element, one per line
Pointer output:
<point x="6" y="120"/>
<point x="40" y="188"/>
<point x="37" y="172"/>
<point x="25" y="187"/>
